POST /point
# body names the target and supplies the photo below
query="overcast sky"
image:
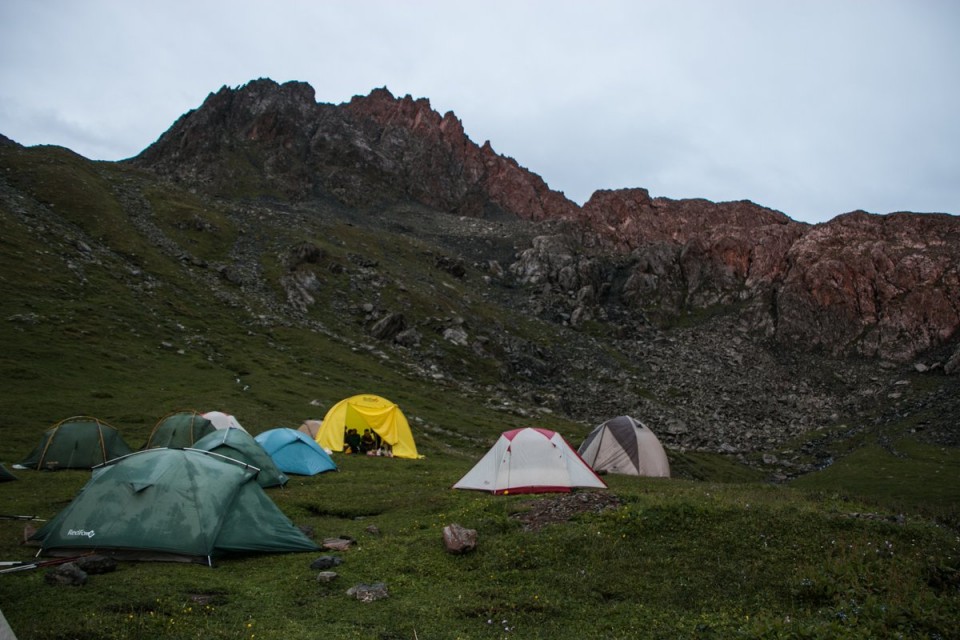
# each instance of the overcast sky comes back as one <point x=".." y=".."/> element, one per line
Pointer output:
<point x="812" y="108"/>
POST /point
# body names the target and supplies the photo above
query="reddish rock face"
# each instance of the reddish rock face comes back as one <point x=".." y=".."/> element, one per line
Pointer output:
<point x="471" y="169"/>
<point x="876" y="285"/>
<point x="747" y="240"/>
<point x="884" y="285"/>
<point x="275" y="139"/>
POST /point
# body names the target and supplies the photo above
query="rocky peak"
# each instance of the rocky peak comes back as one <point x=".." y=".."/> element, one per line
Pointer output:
<point x="269" y="138"/>
<point x="876" y="285"/>
<point x="483" y="174"/>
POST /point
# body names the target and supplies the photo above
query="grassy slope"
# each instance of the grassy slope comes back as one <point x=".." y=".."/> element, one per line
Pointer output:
<point x="679" y="558"/>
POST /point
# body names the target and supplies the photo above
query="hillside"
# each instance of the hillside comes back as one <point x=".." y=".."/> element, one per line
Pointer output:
<point x="728" y="327"/>
<point x="270" y="255"/>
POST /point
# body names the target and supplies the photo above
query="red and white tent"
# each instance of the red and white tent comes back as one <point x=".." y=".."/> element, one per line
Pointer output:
<point x="530" y="461"/>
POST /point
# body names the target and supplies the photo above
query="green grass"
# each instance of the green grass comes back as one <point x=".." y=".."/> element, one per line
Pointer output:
<point x="920" y="477"/>
<point x="676" y="559"/>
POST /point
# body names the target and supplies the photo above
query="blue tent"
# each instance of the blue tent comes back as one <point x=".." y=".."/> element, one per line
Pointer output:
<point x="295" y="452"/>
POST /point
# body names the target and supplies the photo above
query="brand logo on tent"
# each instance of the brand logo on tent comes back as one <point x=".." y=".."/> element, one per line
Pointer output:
<point x="82" y="533"/>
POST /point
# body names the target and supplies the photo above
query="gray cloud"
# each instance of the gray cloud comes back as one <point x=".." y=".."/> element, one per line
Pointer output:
<point x="812" y="108"/>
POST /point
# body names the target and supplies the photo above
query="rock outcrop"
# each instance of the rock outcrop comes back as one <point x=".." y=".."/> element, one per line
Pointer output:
<point x="884" y="286"/>
<point x="863" y="284"/>
<point x="881" y="286"/>
<point x="271" y="139"/>
<point x="447" y="170"/>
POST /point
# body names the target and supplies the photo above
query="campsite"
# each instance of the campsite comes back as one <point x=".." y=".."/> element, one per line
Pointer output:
<point x="731" y="557"/>
<point x="808" y="496"/>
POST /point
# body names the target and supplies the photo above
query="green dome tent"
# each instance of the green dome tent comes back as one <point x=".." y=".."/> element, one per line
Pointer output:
<point x="178" y="430"/>
<point x="80" y="442"/>
<point x="240" y="445"/>
<point x="172" y="504"/>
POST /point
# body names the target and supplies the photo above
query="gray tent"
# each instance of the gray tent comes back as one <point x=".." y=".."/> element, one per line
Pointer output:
<point x="627" y="446"/>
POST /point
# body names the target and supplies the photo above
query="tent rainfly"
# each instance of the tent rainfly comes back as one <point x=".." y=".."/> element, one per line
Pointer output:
<point x="372" y="412"/>
<point x="80" y="442"/>
<point x="178" y="430"/>
<point x="171" y="504"/>
<point x="5" y="476"/>
<point x="240" y="445"/>
<point x="223" y="420"/>
<point x="310" y="427"/>
<point x="625" y="445"/>
<point x="530" y="460"/>
<point x="295" y="452"/>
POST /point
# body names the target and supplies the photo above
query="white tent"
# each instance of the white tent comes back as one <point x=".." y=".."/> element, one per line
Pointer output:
<point x="222" y="420"/>
<point x="530" y="461"/>
<point x="627" y="446"/>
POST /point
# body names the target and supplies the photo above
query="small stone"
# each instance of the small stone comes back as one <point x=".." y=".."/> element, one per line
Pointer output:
<point x="459" y="540"/>
<point x="338" y="544"/>
<point x="97" y="564"/>
<point x="68" y="574"/>
<point x="327" y="576"/>
<point x="369" y="592"/>
<point x="326" y="562"/>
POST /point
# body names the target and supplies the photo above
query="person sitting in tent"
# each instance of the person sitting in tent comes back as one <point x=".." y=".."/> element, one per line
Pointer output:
<point x="352" y="440"/>
<point x="367" y="443"/>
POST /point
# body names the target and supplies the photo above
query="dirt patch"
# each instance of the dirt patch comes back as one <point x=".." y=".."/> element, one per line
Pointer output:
<point x="562" y="507"/>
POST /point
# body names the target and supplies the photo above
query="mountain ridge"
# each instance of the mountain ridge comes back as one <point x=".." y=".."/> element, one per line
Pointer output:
<point x="275" y="139"/>
<point x="728" y="326"/>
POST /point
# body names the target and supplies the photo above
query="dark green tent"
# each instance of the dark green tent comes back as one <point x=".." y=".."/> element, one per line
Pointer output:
<point x="172" y="504"/>
<point x="4" y="476"/>
<point x="240" y="445"/>
<point x="179" y="430"/>
<point x="80" y="442"/>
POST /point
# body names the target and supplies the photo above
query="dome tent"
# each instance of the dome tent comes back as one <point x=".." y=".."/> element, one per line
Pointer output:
<point x="171" y="504"/>
<point x="625" y="445"/>
<point x="295" y="452"/>
<point x="372" y="412"/>
<point x="530" y="460"/>
<point x="311" y="428"/>
<point x="80" y="442"/>
<point x="240" y="445"/>
<point x="178" y="430"/>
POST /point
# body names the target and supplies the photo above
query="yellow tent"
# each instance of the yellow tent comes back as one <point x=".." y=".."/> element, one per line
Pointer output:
<point x="368" y="412"/>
